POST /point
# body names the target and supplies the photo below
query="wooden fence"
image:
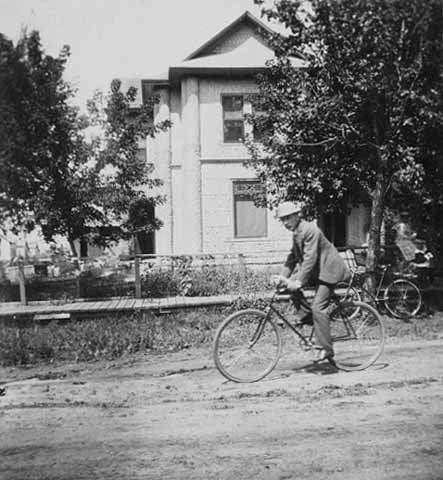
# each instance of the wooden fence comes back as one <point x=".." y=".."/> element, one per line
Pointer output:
<point x="140" y="265"/>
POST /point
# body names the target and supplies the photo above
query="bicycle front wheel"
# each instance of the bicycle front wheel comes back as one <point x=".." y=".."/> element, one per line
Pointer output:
<point x="247" y="346"/>
<point x="402" y="298"/>
<point x="358" y="335"/>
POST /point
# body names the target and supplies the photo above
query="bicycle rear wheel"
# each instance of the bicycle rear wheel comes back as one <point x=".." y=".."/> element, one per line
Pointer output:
<point x="357" y="334"/>
<point x="402" y="298"/>
<point x="247" y="346"/>
<point x="347" y="293"/>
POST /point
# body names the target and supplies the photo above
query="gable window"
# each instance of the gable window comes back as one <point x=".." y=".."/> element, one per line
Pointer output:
<point x="235" y="108"/>
<point x="250" y="221"/>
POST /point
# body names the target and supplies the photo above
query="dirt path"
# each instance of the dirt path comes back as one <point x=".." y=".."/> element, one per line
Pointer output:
<point x="174" y="417"/>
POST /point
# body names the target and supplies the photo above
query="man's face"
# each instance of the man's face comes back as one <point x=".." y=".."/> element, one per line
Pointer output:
<point x="291" y="221"/>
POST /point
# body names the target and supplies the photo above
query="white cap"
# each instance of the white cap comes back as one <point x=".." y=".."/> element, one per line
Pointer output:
<point x="288" y="208"/>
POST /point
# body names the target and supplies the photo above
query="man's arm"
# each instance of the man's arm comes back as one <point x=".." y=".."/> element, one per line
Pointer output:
<point x="285" y="271"/>
<point x="310" y="254"/>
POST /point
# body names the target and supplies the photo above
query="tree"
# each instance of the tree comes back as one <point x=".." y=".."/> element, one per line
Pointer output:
<point x="106" y="197"/>
<point x="361" y="120"/>
<point x="36" y="125"/>
<point x="55" y="175"/>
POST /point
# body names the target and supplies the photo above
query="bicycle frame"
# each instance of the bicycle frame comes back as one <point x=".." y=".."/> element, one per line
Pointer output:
<point x="232" y="347"/>
<point x="376" y="297"/>
<point x="307" y="341"/>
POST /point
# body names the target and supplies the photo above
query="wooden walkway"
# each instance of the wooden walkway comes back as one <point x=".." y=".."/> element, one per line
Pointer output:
<point x="10" y="309"/>
<point x="56" y="309"/>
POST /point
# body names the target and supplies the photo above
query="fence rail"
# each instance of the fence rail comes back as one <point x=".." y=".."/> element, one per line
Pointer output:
<point x="154" y="276"/>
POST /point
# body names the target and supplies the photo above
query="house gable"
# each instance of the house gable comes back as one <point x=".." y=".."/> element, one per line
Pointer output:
<point x="235" y="34"/>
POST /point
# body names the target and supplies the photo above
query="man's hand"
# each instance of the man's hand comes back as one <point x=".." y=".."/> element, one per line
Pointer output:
<point x="293" y="285"/>
<point x="280" y="280"/>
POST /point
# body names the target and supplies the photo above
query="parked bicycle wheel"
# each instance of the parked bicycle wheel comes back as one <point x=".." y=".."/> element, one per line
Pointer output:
<point x="402" y="298"/>
<point x="358" y="338"/>
<point x="247" y="346"/>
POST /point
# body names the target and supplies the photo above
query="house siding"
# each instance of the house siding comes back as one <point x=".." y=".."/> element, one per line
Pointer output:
<point x="211" y="115"/>
<point x="218" y="212"/>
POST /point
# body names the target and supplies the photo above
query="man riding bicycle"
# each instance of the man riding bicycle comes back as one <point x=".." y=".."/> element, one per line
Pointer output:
<point x="318" y="261"/>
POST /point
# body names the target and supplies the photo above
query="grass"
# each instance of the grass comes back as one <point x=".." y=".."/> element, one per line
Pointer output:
<point x="117" y="336"/>
<point x="107" y="338"/>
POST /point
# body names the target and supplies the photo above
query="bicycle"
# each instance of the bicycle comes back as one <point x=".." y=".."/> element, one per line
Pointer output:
<point x="248" y="344"/>
<point x="400" y="297"/>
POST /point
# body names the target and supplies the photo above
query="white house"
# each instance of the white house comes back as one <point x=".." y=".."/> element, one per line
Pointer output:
<point x="200" y="158"/>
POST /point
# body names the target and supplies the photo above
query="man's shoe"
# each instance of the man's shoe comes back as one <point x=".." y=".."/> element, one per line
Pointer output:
<point x="323" y="355"/>
<point x="302" y="319"/>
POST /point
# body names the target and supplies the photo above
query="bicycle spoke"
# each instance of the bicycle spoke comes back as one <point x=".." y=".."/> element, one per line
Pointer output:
<point x="364" y="326"/>
<point x="247" y="346"/>
<point x="402" y="298"/>
<point x="358" y="340"/>
<point x="236" y="359"/>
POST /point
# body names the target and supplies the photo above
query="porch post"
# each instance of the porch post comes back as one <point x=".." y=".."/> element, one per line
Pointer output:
<point x="192" y="235"/>
<point x="162" y="162"/>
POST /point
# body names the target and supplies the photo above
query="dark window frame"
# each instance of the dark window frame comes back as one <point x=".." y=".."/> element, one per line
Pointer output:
<point x="235" y="213"/>
<point x="242" y="136"/>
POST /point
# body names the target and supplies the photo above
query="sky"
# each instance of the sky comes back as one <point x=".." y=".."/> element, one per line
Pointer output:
<point x="119" y="38"/>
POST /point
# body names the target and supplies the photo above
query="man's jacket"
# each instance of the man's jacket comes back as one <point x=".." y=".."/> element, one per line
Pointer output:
<point x="316" y="255"/>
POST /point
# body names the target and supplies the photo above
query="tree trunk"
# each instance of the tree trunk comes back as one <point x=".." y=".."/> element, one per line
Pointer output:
<point x="378" y="195"/>
<point x="377" y="209"/>
<point x="83" y="247"/>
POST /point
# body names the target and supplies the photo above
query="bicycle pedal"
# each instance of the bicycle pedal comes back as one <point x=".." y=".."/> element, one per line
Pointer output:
<point x="307" y="347"/>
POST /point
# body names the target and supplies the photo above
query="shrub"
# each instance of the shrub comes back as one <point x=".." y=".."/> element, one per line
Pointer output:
<point x="203" y="282"/>
<point x="160" y="283"/>
<point x="9" y="292"/>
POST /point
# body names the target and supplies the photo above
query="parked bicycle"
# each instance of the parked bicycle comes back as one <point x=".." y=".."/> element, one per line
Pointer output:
<point x="248" y="344"/>
<point x="395" y="293"/>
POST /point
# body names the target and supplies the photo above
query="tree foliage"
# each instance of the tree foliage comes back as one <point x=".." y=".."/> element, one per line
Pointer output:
<point x="362" y="120"/>
<point x="36" y="126"/>
<point x="55" y="174"/>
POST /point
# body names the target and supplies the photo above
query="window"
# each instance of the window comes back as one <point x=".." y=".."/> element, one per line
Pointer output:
<point x="249" y="220"/>
<point x="142" y="154"/>
<point x="259" y="113"/>
<point x="235" y="108"/>
<point x="233" y="121"/>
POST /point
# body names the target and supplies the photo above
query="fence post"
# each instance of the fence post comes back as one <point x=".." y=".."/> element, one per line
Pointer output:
<point x="21" y="281"/>
<point x="138" y="285"/>
<point x="242" y="270"/>
<point x="78" y="286"/>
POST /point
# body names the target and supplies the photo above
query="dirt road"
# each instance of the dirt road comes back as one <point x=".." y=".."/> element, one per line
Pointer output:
<point x="174" y="417"/>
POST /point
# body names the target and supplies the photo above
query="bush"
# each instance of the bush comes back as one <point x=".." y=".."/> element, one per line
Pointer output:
<point x="155" y="284"/>
<point x="203" y="283"/>
<point x="9" y="292"/>
<point x="102" y="287"/>
<point x="161" y="283"/>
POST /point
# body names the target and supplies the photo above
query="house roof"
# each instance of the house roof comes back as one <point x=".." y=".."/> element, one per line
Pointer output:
<point x="241" y="48"/>
<point x="246" y="17"/>
<point x="249" y="57"/>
